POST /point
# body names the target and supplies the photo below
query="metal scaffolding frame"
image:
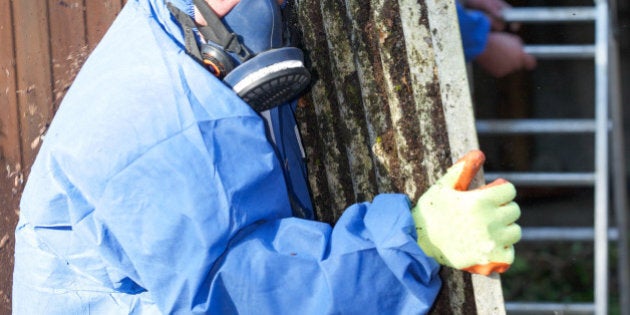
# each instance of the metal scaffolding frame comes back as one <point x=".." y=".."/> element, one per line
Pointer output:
<point x="607" y="126"/>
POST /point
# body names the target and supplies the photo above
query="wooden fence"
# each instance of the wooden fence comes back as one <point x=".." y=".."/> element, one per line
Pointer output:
<point x="42" y="45"/>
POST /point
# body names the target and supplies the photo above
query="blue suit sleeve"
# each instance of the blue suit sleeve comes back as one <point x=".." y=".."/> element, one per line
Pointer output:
<point x="474" y="27"/>
<point x="204" y="233"/>
<point x="177" y="241"/>
<point x="368" y="264"/>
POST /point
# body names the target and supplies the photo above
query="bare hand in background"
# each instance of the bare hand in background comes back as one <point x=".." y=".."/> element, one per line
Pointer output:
<point x="504" y="54"/>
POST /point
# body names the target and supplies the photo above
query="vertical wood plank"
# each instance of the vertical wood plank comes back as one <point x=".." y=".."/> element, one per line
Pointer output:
<point x="353" y="127"/>
<point x="34" y="88"/>
<point x="460" y="122"/>
<point x="68" y="43"/>
<point x="393" y="60"/>
<point x="99" y="16"/>
<point x="38" y="61"/>
<point x="331" y="187"/>
<point x="10" y="155"/>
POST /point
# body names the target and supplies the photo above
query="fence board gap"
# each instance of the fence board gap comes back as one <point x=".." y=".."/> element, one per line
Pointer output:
<point x="68" y="43"/>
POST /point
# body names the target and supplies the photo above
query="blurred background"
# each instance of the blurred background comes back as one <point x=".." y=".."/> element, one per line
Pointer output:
<point x="561" y="87"/>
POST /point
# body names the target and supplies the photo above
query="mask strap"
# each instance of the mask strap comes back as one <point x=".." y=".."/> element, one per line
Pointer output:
<point x="188" y="25"/>
<point x="217" y="33"/>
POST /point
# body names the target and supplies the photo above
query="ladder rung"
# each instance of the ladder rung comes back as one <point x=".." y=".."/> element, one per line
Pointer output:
<point x="535" y="126"/>
<point x="553" y="308"/>
<point x="560" y="51"/>
<point x="564" y="234"/>
<point x="549" y="15"/>
<point x="545" y="179"/>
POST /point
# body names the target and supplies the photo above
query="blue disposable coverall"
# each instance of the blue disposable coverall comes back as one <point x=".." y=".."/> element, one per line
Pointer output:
<point x="474" y="27"/>
<point x="157" y="190"/>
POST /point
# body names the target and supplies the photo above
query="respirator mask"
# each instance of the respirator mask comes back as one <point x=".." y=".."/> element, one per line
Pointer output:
<point x="246" y="50"/>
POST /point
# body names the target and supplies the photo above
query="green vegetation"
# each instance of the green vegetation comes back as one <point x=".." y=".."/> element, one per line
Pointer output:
<point x="557" y="272"/>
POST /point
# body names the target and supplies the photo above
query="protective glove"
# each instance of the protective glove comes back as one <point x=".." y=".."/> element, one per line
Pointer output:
<point x="472" y="230"/>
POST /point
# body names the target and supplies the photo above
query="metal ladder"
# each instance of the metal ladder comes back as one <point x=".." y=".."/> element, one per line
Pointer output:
<point x="607" y="127"/>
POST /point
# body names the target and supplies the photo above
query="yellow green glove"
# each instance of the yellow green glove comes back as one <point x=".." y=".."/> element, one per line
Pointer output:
<point x="472" y="230"/>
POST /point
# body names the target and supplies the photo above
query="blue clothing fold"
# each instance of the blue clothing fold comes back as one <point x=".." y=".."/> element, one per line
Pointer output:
<point x="158" y="191"/>
<point x="285" y="135"/>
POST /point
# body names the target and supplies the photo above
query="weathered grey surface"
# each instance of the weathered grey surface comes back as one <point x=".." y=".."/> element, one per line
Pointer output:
<point x="388" y="111"/>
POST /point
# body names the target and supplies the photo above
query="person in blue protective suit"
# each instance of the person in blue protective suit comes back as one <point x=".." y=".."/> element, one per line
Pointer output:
<point x="158" y="189"/>
<point x="485" y="40"/>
